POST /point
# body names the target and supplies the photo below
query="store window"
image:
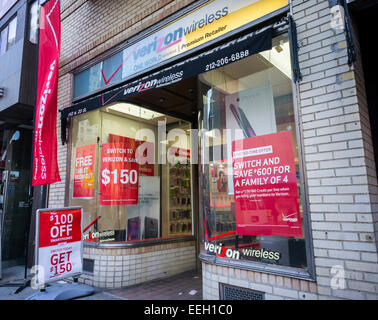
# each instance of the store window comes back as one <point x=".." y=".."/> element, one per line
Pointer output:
<point x="33" y="22"/>
<point x="250" y="173"/>
<point x="127" y="194"/>
<point x="8" y="36"/>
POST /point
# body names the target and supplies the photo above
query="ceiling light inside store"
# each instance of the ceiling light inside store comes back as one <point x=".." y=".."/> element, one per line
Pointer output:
<point x="278" y="48"/>
<point x="280" y="58"/>
<point x="136" y="111"/>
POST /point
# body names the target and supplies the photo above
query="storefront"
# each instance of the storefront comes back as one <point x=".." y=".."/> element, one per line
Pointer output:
<point x="185" y="147"/>
<point x="151" y="160"/>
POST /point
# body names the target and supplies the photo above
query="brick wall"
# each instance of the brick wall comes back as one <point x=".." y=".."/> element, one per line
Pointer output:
<point x="57" y="190"/>
<point x="115" y="268"/>
<point x="274" y="287"/>
<point x="337" y="152"/>
<point x="366" y="133"/>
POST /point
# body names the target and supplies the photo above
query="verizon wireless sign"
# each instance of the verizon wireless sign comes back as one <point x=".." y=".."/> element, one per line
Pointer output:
<point x="45" y="165"/>
<point x="59" y="249"/>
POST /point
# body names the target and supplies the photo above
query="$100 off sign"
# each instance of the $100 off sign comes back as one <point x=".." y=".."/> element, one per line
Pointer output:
<point x="59" y="246"/>
<point x="119" y="175"/>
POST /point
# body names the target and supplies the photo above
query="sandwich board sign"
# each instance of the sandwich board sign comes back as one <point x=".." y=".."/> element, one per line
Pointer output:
<point x="59" y="254"/>
<point x="58" y="245"/>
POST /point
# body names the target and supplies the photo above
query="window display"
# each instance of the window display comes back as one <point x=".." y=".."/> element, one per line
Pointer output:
<point x="249" y="169"/>
<point x="180" y="221"/>
<point x="127" y="195"/>
<point x="251" y="204"/>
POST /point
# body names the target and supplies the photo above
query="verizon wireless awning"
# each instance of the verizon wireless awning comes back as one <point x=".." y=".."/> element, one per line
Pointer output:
<point x="217" y="57"/>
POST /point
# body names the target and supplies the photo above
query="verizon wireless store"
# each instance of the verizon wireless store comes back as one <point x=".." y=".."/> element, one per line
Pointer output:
<point x="185" y="150"/>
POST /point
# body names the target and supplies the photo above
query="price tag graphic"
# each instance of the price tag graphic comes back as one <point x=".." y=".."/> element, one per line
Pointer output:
<point x="119" y="175"/>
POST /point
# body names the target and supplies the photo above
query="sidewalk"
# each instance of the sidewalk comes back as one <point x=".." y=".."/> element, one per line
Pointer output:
<point x="185" y="286"/>
<point x="15" y="276"/>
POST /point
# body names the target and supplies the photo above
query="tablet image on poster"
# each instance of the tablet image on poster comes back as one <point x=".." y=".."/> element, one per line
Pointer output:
<point x="119" y="178"/>
<point x="83" y="186"/>
<point x="265" y="186"/>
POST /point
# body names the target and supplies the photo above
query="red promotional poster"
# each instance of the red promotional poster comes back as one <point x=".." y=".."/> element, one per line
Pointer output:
<point x="59" y="243"/>
<point x="265" y="186"/>
<point x="119" y="175"/>
<point x="45" y="165"/>
<point x="146" y="169"/>
<point x="84" y="172"/>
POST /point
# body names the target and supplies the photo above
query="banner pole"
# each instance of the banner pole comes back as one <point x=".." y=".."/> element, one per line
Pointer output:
<point x="31" y="189"/>
<point x="41" y="199"/>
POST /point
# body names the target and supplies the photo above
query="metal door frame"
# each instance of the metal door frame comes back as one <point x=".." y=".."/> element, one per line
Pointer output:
<point x="2" y="215"/>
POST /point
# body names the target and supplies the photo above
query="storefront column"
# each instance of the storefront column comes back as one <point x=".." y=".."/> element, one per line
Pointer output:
<point x="340" y="169"/>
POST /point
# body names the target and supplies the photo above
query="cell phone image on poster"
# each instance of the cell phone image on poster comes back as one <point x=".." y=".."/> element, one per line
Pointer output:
<point x="248" y="113"/>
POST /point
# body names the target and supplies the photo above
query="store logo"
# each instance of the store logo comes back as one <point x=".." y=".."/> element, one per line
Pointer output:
<point x="289" y="217"/>
<point x="222" y="252"/>
<point x="143" y="86"/>
<point x="98" y="236"/>
<point x="46" y="92"/>
<point x="160" y="44"/>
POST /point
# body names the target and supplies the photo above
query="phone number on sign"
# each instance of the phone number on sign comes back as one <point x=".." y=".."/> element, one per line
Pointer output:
<point x="226" y="60"/>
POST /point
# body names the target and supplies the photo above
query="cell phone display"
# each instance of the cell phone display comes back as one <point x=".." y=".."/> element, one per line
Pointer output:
<point x="133" y="229"/>
<point x="242" y="121"/>
<point x="180" y="213"/>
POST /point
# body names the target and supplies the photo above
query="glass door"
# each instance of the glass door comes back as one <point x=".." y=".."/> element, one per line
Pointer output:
<point x="15" y="153"/>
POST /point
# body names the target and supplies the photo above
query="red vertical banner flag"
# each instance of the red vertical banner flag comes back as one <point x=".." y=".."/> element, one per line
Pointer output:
<point x="119" y="175"/>
<point x="45" y="165"/>
<point x="265" y="186"/>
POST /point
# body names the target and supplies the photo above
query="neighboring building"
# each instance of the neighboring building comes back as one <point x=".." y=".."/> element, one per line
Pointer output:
<point x="18" y="57"/>
<point x="229" y="65"/>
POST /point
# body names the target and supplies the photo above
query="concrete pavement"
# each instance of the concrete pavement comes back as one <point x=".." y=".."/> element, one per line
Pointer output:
<point x="185" y="286"/>
<point x="13" y="279"/>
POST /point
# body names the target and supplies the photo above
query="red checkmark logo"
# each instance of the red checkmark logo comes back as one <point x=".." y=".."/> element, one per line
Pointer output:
<point x="115" y="72"/>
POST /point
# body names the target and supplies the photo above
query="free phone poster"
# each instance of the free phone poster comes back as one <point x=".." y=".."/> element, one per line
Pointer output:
<point x="83" y="186"/>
